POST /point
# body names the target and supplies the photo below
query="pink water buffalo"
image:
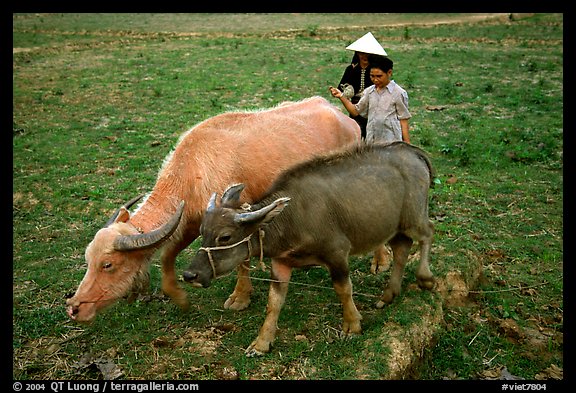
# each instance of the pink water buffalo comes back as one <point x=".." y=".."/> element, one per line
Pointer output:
<point x="252" y="148"/>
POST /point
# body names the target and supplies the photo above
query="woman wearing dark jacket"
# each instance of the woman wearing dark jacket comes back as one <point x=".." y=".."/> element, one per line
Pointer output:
<point x="356" y="76"/>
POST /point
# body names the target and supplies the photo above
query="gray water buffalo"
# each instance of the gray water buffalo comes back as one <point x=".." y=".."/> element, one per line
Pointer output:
<point x="319" y="213"/>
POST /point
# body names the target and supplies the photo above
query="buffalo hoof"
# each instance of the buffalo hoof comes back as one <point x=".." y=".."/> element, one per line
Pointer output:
<point x="387" y="298"/>
<point x="180" y="298"/>
<point x="176" y="294"/>
<point x="184" y="304"/>
<point x="377" y="266"/>
<point x="237" y="302"/>
<point x="251" y="352"/>
<point x="256" y="349"/>
<point x="351" y="328"/>
<point x="381" y="260"/>
<point x="426" y="283"/>
<point x="380" y="304"/>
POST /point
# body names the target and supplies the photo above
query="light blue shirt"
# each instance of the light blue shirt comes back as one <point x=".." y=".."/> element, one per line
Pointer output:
<point x="384" y="110"/>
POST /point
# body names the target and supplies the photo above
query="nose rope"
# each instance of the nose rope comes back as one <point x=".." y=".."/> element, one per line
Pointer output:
<point x="99" y="300"/>
<point x="246" y="239"/>
<point x="261" y="262"/>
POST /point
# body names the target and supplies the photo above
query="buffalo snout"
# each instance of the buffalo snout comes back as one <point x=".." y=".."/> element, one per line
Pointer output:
<point x="196" y="278"/>
<point x="72" y="311"/>
<point x="83" y="312"/>
<point x="190" y="276"/>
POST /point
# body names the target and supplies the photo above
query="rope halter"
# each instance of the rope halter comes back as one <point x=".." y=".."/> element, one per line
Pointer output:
<point x="247" y="260"/>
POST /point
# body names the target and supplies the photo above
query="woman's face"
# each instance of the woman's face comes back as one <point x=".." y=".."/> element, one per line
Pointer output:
<point x="363" y="57"/>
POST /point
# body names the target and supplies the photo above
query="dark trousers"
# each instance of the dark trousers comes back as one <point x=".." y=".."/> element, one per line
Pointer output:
<point x="362" y="121"/>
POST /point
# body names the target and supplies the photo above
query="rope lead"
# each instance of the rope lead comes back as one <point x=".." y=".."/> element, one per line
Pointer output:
<point x="247" y="260"/>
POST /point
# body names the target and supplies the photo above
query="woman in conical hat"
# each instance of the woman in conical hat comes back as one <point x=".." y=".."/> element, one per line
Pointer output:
<point x="356" y="76"/>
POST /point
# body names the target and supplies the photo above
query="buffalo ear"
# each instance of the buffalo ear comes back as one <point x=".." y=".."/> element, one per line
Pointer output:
<point x="126" y="206"/>
<point x="231" y="197"/>
<point x="153" y="238"/>
<point x="123" y="215"/>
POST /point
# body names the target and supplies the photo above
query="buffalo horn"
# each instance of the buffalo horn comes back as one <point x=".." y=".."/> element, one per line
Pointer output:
<point x="127" y="206"/>
<point x="150" y="239"/>
<point x="261" y="213"/>
<point x="211" y="202"/>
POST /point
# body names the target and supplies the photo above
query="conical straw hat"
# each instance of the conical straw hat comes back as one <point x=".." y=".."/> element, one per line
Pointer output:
<point x="367" y="44"/>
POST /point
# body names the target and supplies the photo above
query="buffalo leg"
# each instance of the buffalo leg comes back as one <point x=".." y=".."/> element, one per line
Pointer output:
<point x="352" y="317"/>
<point x="400" y="247"/>
<point x="169" y="285"/>
<point x="276" y="297"/>
<point x="424" y="276"/>
<point x="381" y="261"/>
<point x="240" y="298"/>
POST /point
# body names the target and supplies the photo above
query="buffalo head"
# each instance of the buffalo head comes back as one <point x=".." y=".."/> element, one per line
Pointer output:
<point x="117" y="262"/>
<point x="229" y="235"/>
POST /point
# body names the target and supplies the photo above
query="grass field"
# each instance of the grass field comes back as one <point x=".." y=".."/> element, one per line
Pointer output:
<point x="100" y="100"/>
